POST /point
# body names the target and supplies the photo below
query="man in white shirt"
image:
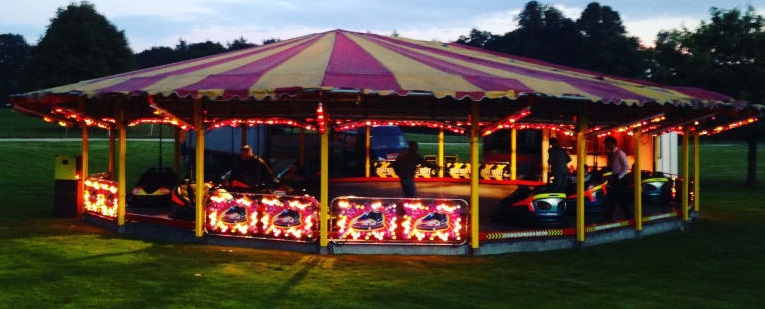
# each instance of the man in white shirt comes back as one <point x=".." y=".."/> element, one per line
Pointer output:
<point x="617" y="162"/>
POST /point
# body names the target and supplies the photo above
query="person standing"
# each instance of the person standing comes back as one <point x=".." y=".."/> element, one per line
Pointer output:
<point x="617" y="163"/>
<point x="405" y="167"/>
<point x="558" y="159"/>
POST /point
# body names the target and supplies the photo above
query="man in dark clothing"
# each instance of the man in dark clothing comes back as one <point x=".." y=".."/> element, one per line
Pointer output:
<point x="558" y="160"/>
<point x="405" y="167"/>
<point x="253" y="170"/>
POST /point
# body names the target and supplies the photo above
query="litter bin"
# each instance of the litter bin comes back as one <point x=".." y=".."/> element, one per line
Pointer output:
<point x="66" y="185"/>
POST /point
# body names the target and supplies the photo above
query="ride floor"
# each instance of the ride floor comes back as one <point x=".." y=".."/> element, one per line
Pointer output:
<point x="489" y="197"/>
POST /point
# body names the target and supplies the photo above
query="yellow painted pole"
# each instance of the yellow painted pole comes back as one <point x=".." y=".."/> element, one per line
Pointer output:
<point x="199" y="168"/>
<point x="302" y="147"/>
<point x="545" y="155"/>
<point x="684" y="189"/>
<point x="474" y="132"/>
<point x="112" y="162"/>
<point x="84" y="172"/>
<point x="367" y="149"/>
<point x="122" y="149"/>
<point x="696" y="172"/>
<point x="638" y="179"/>
<point x="84" y="163"/>
<point x="324" y="194"/>
<point x="440" y="159"/>
<point x="513" y="154"/>
<point x="177" y="151"/>
<point x="581" y="156"/>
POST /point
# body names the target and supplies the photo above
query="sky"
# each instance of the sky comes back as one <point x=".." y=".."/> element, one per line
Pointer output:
<point x="149" y="23"/>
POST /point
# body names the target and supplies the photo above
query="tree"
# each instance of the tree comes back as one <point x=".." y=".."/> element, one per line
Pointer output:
<point x="477" y="38"/>
<point x="543" y="33"/>
<point x="79" y="44"/>
<point x="271" y="40"/>
<point x="198" y="50"/>
<point x="605" y="46"/>
<point x="155" y="56"/>
<point x="240" y="43"/>
<point x="14" y="54"/>
<point x="726" y="54"/>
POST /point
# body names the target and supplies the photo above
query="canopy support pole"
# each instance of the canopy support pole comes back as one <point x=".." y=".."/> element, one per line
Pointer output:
<point x="324" y="188"/>
<point x="177" y="151"/>
<point x="301" y="159"/>
<point x="199" y="168"/>
<point x="545" y="155"/>
<point x="581" y="156"/>
<point x="84" y="161"/>
<point x="112" y="163"/>
<point x="513" y="154"/>
<point x="122" y="149"/>
<point x="474" y="190"/>
<point x="684" y="187"/>
<point x="440" y="160"/>
<point x="243" y="135"/>
<point x="367" y="150"/>
<point x="638" y="180"/>
<point x="696" y="172"/>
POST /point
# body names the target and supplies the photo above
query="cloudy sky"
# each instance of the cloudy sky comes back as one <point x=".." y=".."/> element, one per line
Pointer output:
<point x="150" y="23"/>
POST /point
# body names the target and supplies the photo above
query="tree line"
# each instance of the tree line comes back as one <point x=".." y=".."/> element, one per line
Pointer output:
<point x="725" y="54"/>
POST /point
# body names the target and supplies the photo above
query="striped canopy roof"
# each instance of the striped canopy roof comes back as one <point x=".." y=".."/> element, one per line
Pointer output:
<point x="361" y="76"/>
<point x="375" y="64"/>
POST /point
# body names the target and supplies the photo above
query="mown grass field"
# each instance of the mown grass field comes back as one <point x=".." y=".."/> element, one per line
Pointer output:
<point x="64" y="263"/>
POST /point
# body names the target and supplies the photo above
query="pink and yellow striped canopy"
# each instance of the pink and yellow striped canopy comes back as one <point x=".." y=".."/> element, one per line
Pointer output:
<point x="375" y="64"/>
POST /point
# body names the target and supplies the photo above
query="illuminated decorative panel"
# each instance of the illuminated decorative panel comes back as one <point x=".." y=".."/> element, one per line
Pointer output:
<point x="100" y="196"/>
<point x="262" y="215"/>
<point x="368" y="219"/>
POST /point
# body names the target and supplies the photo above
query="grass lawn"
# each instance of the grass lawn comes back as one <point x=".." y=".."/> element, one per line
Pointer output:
<point x="64" y="263"/>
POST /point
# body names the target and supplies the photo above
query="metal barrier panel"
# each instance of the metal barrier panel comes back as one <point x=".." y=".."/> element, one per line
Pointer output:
<point x="100" y="196"/>
<point x="377" y="219"/>
<point x="262" y="215"/>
